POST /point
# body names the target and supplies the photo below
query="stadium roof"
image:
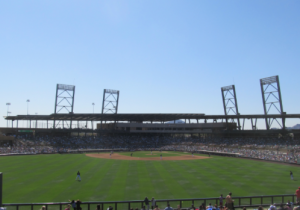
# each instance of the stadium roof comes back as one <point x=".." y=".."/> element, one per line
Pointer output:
<point x="141" y="117"/>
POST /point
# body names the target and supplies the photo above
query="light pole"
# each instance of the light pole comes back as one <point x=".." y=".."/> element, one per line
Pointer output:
<point x="93" y="107"/>
<point x="36" y="121"/>
<point x="8" y="113"/>
<point x="27" y="105"/>
<point x="27" y="110"/>
<point x="7" y="104"/>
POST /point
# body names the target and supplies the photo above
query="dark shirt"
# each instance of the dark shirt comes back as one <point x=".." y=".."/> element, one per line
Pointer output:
<point x="78" y="173"/>
<point x="291" y="173"/>
<point x="78" y="204"/>
<point x="146" y="201"/>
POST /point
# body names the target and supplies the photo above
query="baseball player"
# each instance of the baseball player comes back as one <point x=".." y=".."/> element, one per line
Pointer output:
<point x="291" y="174"/>
<point x="160" y="156"/>
<point x="78" y="176"/>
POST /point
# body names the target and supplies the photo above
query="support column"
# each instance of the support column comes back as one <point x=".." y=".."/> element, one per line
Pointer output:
<point x="78" y="127"/>
<point x="1" y="187"/>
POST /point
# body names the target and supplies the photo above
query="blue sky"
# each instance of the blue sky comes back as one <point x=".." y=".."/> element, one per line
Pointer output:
<point x="164" y="56"/>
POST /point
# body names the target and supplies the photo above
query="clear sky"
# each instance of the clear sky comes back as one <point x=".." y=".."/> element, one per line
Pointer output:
<point x="165" y="56"/>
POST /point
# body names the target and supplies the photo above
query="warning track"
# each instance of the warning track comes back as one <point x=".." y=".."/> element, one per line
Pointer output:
<point x="117" y="156"/>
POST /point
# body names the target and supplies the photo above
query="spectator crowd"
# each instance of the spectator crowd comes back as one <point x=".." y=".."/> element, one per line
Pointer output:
<point x="266" y="148"/>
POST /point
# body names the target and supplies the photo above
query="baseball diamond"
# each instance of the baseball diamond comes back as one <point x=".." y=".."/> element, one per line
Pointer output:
<point x="112" y="179"/>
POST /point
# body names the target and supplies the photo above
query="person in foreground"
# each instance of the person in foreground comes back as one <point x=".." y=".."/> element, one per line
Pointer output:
<point x="156" y="207"/>
<point x="168" y="207"/>
<point x="146" y="201"/>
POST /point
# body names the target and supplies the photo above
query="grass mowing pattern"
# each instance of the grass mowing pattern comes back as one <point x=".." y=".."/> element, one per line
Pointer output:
<point x="47" y="178"/>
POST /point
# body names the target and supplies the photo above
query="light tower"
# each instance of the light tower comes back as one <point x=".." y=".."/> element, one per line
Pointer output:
<point x="271" y="96"/>
<point x="64" y="102"/>
<point x="230" y="102"/>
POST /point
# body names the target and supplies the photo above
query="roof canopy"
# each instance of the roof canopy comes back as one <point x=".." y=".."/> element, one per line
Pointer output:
<point x="140" y="117"/>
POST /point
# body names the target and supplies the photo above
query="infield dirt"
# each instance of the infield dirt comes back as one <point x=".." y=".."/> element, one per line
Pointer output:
<point x="117" y="156"/>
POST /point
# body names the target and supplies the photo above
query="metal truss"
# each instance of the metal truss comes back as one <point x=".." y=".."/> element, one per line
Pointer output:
<point x="271" y="96"/>
<point x="230" y="102"/>
<point x="64" y="103"/>
<point x="110" y="101"/>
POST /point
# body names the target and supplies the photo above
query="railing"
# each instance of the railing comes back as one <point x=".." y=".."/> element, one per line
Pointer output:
<point x="240" y="202"/>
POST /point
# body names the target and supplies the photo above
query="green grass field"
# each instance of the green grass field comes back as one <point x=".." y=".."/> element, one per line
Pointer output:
<point x="49" y="178"/>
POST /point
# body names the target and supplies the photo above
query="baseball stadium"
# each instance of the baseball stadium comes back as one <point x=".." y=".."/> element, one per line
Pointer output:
<point x="112" y="160"/>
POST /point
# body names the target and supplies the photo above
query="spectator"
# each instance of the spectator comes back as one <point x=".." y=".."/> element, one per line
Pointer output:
<point x="209" y="207"/>
<point x="229" y="201"/>
<point x="192" y="207"/>
<point x="78" y="202"/>
<point x="216" y="207"/>
<point x="273" y="207"/>
<point x="168" y="207"/>
<point x="147" y="203"/>
<point x="297" y="206"/>
<point x="68" y="207"/>
<point x="260" y="208"/>
<point x="281" y="207"/>
<point x="178" y="207"/>
<point x="202" y="207"/>
<point x="98" y="207"/>
<point x="153" y="203"/>
<point x="73" y="204"/>
<point x="298" y="194"/>
<point x="156" y="207"/>
<point x="43" y="208"/>
<point x="221" y="199"/>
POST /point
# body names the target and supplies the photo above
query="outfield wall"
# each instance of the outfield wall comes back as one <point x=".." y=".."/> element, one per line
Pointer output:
<point x="206" y="152"/>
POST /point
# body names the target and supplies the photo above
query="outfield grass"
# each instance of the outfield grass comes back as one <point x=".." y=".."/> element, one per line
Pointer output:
<point x="48" y="178"/>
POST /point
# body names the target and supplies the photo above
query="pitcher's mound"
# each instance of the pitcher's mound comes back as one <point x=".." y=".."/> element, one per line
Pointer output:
<point x="117" y="156"/>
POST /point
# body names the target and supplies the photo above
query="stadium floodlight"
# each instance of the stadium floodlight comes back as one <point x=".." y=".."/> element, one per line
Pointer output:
<point x="230" y="102"/>
<point x="271" y="96"/>
<point x="93" y="107"/>
<point x="27" y="105"/>
<point x="64" y="102"/>
<point x="110" y="101"/>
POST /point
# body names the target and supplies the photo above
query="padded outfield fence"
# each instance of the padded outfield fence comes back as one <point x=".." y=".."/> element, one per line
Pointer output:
<point x="240" y="202"/>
